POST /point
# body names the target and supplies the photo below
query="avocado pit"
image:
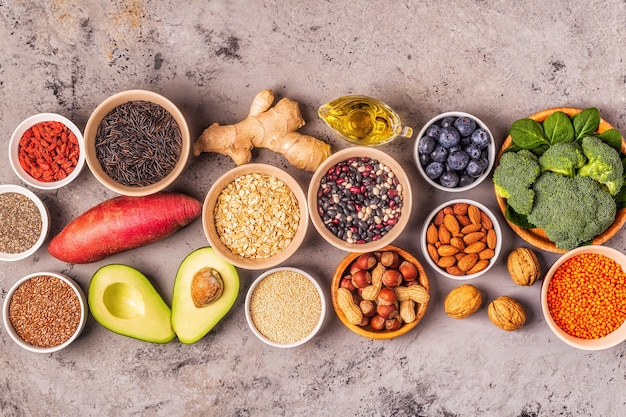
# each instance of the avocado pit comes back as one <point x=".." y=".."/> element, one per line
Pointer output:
<point x="207" y="286"/>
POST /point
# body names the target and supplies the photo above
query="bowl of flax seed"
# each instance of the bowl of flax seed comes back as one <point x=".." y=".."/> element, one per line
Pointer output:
<point x="44" y="312"/>
<point x="285" y="307"/>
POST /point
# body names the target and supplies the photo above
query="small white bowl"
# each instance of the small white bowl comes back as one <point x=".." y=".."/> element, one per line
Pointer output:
<point x="612" y="339"/>
<point x="283" y="302"/>
<point x="83" y="313"/>
<point x="14" y="151"/>
<point x="45" y="222"/>
<point x="496" y="227"/>
<point x="491" y="152"/>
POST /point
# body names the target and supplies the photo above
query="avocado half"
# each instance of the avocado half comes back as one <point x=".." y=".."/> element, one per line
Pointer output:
<point x="123" y="300"/>
<point x="189" y="321"/>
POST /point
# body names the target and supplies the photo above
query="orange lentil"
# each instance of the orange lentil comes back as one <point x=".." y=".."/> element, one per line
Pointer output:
<point x="587" y="296"/>
<point x="48" y="151"/>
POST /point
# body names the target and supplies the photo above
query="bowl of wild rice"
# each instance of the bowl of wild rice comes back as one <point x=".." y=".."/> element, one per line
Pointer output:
<point x="44" y="312"/>
<point x="255" y="216"/>
<point x="24" y="223"/>
<point x="285" y="307"/>
<point x="137" y="142"/>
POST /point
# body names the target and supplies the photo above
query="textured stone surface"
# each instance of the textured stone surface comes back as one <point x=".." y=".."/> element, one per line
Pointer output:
<point x="496" y="59"/>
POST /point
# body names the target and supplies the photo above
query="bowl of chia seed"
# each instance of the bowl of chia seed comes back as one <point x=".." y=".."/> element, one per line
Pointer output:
<point x="137" y="142"/>
<point x="360" y="199"/>
<point x="24" y="223"/>
<point x="44" y="312"/>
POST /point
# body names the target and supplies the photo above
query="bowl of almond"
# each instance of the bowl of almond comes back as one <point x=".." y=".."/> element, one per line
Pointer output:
<point x="461" y="239"/>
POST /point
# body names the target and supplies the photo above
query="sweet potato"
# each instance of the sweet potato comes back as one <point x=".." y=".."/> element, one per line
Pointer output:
<point x="123" y="223"/>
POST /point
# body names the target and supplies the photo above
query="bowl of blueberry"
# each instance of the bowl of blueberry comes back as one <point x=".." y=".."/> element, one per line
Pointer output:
<point x="454" y="151"/>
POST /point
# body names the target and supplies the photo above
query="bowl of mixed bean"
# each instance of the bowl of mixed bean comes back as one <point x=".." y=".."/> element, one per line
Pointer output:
<point x="25" y="222"/>
<point x="137" y="142"/>
<point x="44" y="312"/>
<point x="255" y="216"/>
<point x="583" y="297"/>
<point x="360" y="199"/>
<point x="47" y="151"/>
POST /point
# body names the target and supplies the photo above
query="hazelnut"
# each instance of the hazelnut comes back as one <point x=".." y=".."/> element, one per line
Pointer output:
<point x="462" y="301"/>
<point x="506" y="313"/>
<point x="523" y="266"/>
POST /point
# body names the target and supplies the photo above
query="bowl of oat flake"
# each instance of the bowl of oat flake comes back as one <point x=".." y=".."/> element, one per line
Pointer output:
<point x="285" y="307"/>
<point x="44" y="312"/>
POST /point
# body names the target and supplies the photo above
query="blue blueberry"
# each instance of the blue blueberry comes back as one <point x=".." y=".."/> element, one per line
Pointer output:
<point x="424" y="159"/>
<point x="481" y="138"/>
<point x="449" y="137"/>
<point x="465" y="125"/>
<point x="449" y="179"/>
<point x="458" y="160"/>
<point x="473" y="151"/>
<point x="440" y="154"/>
<point x="465" y="180"/>
<point x="433" y="131"/>
<point x="434" y="170"/>
<point x="447" y="121"/>
<point x="466" y="140"/>
<point x="426" y="145"/>
<point x="475" y="168"/>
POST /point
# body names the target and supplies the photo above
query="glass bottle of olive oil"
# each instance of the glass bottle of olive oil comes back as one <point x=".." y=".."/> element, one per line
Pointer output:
<point x="363" y="120"/>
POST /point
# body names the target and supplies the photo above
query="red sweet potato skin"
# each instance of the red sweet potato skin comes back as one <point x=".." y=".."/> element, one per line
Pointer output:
<point x="123" y="223"/>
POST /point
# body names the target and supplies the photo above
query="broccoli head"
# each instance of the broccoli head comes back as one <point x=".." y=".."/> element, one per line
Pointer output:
<point x="571" y="211"/>
<point x="563" y="158"/>
<point x="603" y="164"/>
<point x="513" y="178"/>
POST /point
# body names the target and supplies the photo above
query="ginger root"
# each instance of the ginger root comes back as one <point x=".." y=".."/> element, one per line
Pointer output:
<point x="266" y="127"/>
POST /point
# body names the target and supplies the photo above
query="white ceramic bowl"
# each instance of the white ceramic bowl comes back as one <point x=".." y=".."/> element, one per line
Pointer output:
<point x="11" y="330"/>
<point x="14" y="146"/>
<point x="491" y="151"/>
<point x="284" y="300"/>
<point x="45" y="222"/>
<point x="608" y="341"/>
<point x="496" y="250"/>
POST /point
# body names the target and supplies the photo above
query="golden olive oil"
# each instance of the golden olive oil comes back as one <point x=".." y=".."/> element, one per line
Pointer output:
<point x="363" y="120"/>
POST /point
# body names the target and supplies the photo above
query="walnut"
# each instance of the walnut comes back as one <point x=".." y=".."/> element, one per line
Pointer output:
<point x="523" y="266"/>
<point x="506" y="313"/>
<point x="462" y="301"/>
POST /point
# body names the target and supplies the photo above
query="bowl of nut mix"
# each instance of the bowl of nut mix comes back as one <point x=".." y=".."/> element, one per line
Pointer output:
<point x="461" y="239"/>
<point x="255" y="216"/>
<point x="382" y="294"/>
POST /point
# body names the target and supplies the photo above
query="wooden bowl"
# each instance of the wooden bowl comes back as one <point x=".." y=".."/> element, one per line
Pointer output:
<point x="536" y="236"/>
<point x="367" y="331"/>
<point x="210" y="230"/>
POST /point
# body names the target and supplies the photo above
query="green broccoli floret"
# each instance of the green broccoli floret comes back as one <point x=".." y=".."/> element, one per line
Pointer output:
<point x="513" y="178"/>
<point x="570" y="210"/>
<point x="603" y="164"/>
<point x="563" y="158"/>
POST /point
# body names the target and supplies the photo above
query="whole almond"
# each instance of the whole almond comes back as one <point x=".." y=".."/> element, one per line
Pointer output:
<point x="432" y="234"/>
<point x="492" y="239"/>
<point x="487" y="253"/>
<point x="460" y="208"/>
<point x="486" y="221"/>
<point x="467" y="262"/>
<point x="438" y="218"/>
<point x="457" y="242"/>
<point x="448" y="210"/>
<point x="447" y="250"/>
<point x="464" y="220"/>
<point x="480" y="266"/>
<point x="473" y="237"/>
<point x="470" y="228"/>
<point x="454" y="270"/>
<point x="475" y="247"/>
<point x="446" y="261"/>
<point x="432" y="251"/>
<point x="474" y="214"/>
<point x="452" y="224"/>
<point x="444" y="234"/>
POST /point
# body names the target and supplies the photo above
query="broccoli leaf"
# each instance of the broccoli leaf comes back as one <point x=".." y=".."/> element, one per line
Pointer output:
<point x="517" y="219"/>
<point x="613" y="138"/>
<point x="527" y="134"/>
<point x="558" y="128"/>
<point x="586" y="122"/>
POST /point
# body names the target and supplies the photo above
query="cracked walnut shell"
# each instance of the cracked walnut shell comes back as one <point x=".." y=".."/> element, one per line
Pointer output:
<point x="506" y="313"/>
<point x="523" y="266"/>
<point x="462" y="301"/>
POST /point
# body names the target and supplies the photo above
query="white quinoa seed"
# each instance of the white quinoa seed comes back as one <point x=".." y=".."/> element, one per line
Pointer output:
<point x="285" y="307"/>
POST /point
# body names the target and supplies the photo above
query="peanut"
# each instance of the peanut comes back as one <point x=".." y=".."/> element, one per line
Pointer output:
<point x="407" y="311"/>
<point x="347" y="305"/>
<point x="458" y="231"/>
<point x="416" y="292"/>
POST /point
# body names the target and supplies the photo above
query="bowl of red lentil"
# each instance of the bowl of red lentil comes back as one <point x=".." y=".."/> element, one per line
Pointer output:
<point x="360" y="199"/>
<point x="24" y="222"/>
<point x="255" y="216"/>
<point x="583" y="297"/>
<point x="47" y="151"/>
<point x="44" y="312"/>
<point x="285" y="307"/>
<point x="137" y="142"/>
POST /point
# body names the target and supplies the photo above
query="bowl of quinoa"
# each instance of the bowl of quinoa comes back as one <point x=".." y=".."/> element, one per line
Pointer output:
<point x="583" y="297"/>
<point x="285" y="307"/>
<point x="24" y="223"/>
<point x="360" y="199"/>
<point x="44" y="312"/>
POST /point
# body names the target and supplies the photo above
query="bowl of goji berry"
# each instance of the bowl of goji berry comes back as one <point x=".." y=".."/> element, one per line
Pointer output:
<point x="583" y="297"/>
<point x="47" y="151"/>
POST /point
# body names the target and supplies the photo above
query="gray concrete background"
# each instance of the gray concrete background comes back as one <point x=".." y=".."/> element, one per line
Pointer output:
<point x="499" y="60"/>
